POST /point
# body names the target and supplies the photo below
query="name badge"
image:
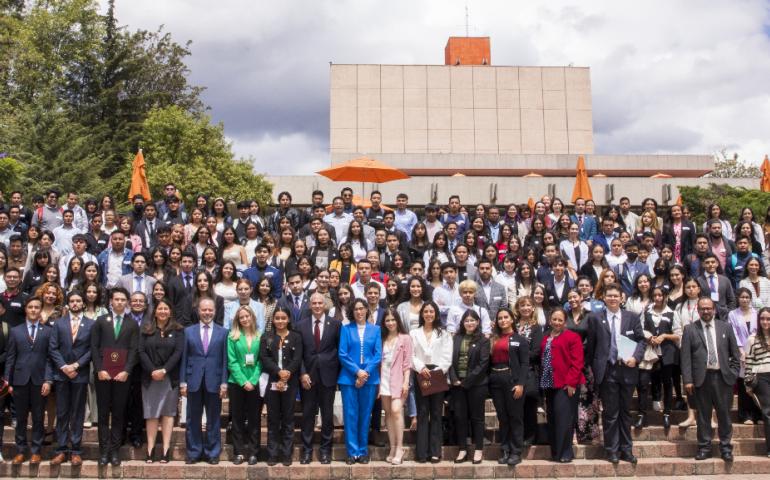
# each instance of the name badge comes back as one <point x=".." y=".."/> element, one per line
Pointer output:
<point x="630" y="332"/>
<point x="15" y="304"/>
<point x="102" y="242"/>
<point x="497" y="298"/>
<point x="126" y="262"/>
<point x="515" y="344"/>
<point x="715" y="296"/>
<point x="269" y="274"/>
<point x="249" y="359"/>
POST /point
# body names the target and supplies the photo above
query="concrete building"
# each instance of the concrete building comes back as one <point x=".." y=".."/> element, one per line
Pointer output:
<point x="489" y="133"/>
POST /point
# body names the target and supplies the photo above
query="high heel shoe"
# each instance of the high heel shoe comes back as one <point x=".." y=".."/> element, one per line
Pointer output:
<point x="166" y="457"/>
<point x="478" y="457"/>
<point x="150" y="456"/>
<point x="398" y="458"/>
<point x="462" y="456"/>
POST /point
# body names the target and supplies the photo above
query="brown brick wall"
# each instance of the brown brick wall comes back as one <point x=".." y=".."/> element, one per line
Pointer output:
<point x="469" y="50"/>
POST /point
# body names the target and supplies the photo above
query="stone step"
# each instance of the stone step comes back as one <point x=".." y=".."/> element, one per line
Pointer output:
<point x="642" y="449"/>
<point x="408" y="470"/>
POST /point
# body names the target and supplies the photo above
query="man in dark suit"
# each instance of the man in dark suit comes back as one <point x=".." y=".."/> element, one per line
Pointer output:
<point x="117" y="335"/>
<point x="320" y="368"/>
<point x="147" y="227"/>
<point x="627" y="271"/>
<point x="203" y="380"/>
<point x="616" y="375"/>
<point x="710" y="365"/>
<point x="557" y="289"/>
<point x="71" y="358"/>
<point x="138" y="280"/>
<point x="296" y="300"/>
<point x="717" y="287"/>
<point x="28" y="374"/>
<point x="181" y="288"/>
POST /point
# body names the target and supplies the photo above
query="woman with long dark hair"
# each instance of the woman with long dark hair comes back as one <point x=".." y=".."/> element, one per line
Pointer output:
<point x="394" y="380"/>
<point x="758" y="369"/>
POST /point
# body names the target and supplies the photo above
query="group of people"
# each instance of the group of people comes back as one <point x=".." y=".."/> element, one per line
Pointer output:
<point x="120" y="318"/>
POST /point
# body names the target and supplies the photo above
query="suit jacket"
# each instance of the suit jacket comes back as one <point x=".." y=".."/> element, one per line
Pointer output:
<point x="65" y="350"/>
<point x="149" y="238"/>
<point x="350" y="354"/>
<point x="290" y="355"/>
<point x="552" y="297"/>
<point x="498" y="298"/>
<point x="297" y="315"/>
<point x="687" y="237"/>
<point x="27" y="361"/>
<point x="588" y="270"/>
<point x="323" y="364"/>
<point x="199" y="369"/>
<point x="694" y="355"/>
<point x="600" y="341"/>
<point x="588" y="229"/>
<point x="726" y="300"/>
<point x="127" y="282"/>
<point x="103" y="336"/>
<point x="477" y="372"/>
<point x="219" y="312"/>
<point x="400" y="366"/>
<point x="566" y="359"/>
<point x="626" y="279"/>
<point x="181" y="298"/>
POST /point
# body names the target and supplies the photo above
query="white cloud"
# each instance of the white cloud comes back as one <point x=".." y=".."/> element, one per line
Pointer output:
<point x="678" y="77"/>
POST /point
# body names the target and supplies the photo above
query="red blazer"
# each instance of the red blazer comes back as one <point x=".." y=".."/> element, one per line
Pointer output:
<point x="566" y="359"/>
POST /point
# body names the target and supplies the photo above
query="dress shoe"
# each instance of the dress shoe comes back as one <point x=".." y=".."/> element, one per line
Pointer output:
<point x="703" y="455"/>
<point x="435" y="460"/>
<point x="348" y="461"/>
<point x="35" y="459"/>
<point x="306" y="458"/>
<point x="565" y="460"/>
<point x="629" y="457"/>
<point x="18" y="459"/>
<point x="238" y="460"/>
<point x="59" y="459"/>
<point x="503" y="460"/>
<point x="252" y="460"/>
<point x="727" y="456"/>
<point x="272" y="461"/>
<point x="514" y="460"/>
<point x="286" y="462"/>
<point x="115" y="460"/>
<point x="325" y="459"/>
<point x="613" y="458"/>
<point x="213" y="461"/>
<point x="666" y="421"/>
<point x="76" y="460"/>
<point x="191" y="461"/>
<point x="363" y="459"/>
<point x="639" y="423"/>
<point x="104" y="460"/>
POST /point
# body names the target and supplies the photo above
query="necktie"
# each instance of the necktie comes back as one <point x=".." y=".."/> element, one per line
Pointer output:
<point x="712" y="359"/>
<point x="296" y="302"/>
<point x="118" y="323"/>
<point x="317" y="335"/>
<point x="74" y="326"/>
<point x="139" y="287"/>
<point x="712" y="283"/>
<point x="32" y="332"/>
<point x="614" y="341"/>
<point x="580" y="220"/>
<point x="205" y="339"/>
<point x="188" y="282"/>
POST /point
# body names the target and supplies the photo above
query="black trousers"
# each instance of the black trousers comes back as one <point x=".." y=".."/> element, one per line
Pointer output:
<point x="717" y="395"/>
<point x="375" y="425"/>
<point x="510" y="412"/>
<point x="762" y="391"/>
<point x="28" y="400"/>
<point x="561" y="411"/>
<point x="468" y="411"/>
<point x="676" y="380"/>
<point x="430" y="430"/>
<point x="111" y="399"/>
<point x="70" y="413"/>
<point x="318" y="397"/>
<point x="246" y="416"/>
<point x="280" y="421"/>
<point x="747" y="409"/>
<point x="135" y="411"/>
<point x="646" y="388"/>
<point x="616" y="419"/>
<point x="531" y="403"/>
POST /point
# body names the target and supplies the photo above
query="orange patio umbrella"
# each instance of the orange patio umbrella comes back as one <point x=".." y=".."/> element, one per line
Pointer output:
<point x="363" y="169"/>
<point x="582" y="187"/>
<point x="139" y="184"/>
<point x="764" y="183"/>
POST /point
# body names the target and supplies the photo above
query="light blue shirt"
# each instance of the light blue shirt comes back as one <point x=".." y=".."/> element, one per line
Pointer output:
<point x="405" y="221"/>
<point x="232" y="306"/>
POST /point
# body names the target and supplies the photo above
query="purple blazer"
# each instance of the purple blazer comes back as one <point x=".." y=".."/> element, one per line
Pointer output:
<point x="402" y="364"/>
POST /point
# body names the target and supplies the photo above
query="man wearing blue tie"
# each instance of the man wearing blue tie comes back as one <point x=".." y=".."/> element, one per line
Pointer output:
<point x="28" y="375"/>
<point x="71" y="358"/>
<point x="203" y="380"/>
<point x="587" y="223"/>
<point x="295" y="300"/>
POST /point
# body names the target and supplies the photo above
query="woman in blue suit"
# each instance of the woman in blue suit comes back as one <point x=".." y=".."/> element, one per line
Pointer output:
<point x="360" y="354"/>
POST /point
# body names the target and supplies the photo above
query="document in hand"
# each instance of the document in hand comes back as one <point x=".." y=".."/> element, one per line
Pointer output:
<point x="626" y="348"/>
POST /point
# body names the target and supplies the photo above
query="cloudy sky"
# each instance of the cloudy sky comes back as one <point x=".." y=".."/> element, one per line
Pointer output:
<point x="689" y="76"/>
